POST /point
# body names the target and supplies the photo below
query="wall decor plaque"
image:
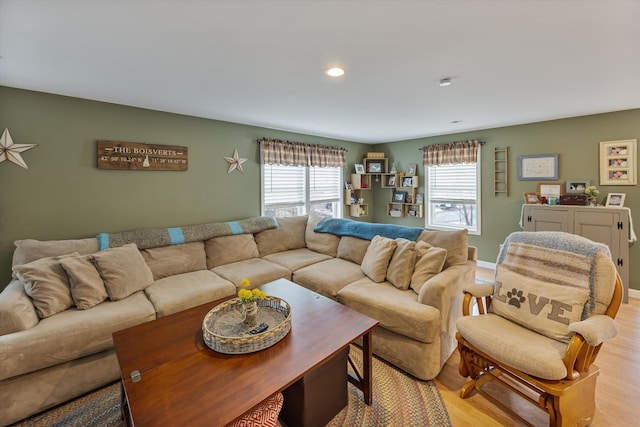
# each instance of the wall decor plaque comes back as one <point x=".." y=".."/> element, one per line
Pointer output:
<point x="138" y="156"/>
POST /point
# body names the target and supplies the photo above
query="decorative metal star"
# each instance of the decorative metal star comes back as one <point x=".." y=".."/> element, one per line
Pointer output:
<point x="10" y="151"/>
<point x="235" y="162"/>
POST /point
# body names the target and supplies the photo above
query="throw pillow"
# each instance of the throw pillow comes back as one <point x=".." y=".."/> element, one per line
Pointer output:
<point x="289" y="235"/>
<point x="545" y="307"/>
<point x="29" y="250"/>
<point x="429" y="262"/>
<point x="402" y="263"/>
<point x="175" y="259"/>
<point x="123" y="271"/>
<point x="376" y="260"/>
<point x="227" y="249"/>
<point x="46" y="282"/>
<point x="352" y="248"/>
<point x="455" y="242"/>
<point x="87" y="287"/>
<point x="17" y="312"/>
<point x="325" y="243"/>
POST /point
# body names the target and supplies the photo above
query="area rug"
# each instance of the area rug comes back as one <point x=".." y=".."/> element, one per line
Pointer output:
<point x="398" y="400"/>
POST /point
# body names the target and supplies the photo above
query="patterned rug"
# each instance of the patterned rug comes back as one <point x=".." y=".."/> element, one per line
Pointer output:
<point x="398" y="400"/>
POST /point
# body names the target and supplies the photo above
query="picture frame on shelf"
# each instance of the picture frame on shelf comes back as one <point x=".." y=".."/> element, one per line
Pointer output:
<point x="411" y="169"/>
<point x="407" y="181"/>
<point x="531" y="198"/>
<point x="615" y="200"/>
<point x="412" y="212"/>
<point x="399" y="196"/>
<point x="391" y="181"/>
<point x="576" y="186"/>
<point x="408" y="199"/>
<point x="419" y="199"/>
<point x="359" y="168"/>
<point x="538" y="167"/>
<point x="551" y="189"/>
<point x="618" y="162"/>
<point x="375" y="167"/>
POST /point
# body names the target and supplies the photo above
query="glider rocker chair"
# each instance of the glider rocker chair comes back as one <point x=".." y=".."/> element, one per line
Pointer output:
<point x="539" y="328"/>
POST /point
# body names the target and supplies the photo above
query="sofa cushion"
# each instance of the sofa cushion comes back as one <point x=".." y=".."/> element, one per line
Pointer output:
<point x="402" y="263"/>
<point x="328" y="277"/>
<point x="123" y="271"/>
<point x="516" y="346"/>
<point x="297" y="258"/>
<point x="289" y="235"/>
<point x="397" y="310"/>
<point x="182" y="291"/>
<point x="46" y="282"/>
<point x="353" y="249"/>
<point x="17" y="312"/>
<point x="228" y="249"/>
<point x="71" y="334"/>
<point x="429" y="262"/>
<point x="544" y="307"/>
<point x="30" y="250"/>
<point x="324" y="243"/>
<point x="259" y="271"/>
<point x="455" y="242"/>
<point x="376" y="260"/>
<point x="175" y="259"/>
<point x="87" y="287"/>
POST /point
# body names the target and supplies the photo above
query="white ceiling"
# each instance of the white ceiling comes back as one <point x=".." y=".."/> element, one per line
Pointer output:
<point x="262" y="62"/>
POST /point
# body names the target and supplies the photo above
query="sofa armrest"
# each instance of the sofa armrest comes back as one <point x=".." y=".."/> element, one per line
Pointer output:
<point x="596" y="329"/>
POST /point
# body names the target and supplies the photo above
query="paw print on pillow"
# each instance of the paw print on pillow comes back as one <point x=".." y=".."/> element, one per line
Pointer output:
<point x="516" y="297"/>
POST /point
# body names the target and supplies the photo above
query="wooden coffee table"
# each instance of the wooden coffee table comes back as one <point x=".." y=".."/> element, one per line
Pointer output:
<point x="171" y="377"/>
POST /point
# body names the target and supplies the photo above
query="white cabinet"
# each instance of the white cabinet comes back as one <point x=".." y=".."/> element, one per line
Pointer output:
<point x="605" y="225"/>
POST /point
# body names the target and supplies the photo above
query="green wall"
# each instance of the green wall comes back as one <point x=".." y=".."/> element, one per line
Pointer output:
<point x="63" y="195"/>
<point x="576" y="140"/>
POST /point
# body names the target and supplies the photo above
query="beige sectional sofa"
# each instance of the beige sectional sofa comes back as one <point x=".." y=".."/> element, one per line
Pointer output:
<point x="58" y="314"/>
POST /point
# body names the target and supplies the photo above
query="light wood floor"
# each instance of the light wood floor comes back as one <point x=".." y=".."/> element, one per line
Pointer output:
<point x="617" y="390"/>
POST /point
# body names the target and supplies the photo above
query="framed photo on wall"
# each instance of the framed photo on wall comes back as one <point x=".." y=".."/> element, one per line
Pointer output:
<point x="538" y="167"/>
<point x="359" y="168"/>
<point x="618" y="162"/>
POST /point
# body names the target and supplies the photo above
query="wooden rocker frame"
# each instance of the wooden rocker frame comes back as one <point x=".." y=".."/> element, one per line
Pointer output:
<point x="569" y="402"/>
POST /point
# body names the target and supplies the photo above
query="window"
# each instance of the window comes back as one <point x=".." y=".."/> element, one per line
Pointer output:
<point x="453" y="196"/>
<point x="299" y="190"/>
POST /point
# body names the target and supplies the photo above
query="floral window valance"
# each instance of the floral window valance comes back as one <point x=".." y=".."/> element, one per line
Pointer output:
<point x="278" y="152"/>
<point x="451" y="154"/>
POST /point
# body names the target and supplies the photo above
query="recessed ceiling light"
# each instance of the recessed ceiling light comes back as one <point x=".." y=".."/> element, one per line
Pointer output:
<point x="335" y="72"/>
<point x="445" y="82"/>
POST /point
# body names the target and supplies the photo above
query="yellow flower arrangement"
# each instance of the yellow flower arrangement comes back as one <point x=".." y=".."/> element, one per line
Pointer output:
<point x="247" y="295"/>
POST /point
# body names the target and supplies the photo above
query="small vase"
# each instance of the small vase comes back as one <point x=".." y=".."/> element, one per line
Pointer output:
<point x="250" y="314"/>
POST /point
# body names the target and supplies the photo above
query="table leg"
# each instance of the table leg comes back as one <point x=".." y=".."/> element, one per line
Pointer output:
<point x="364" y="382"/>
<point x="367" y="362"/>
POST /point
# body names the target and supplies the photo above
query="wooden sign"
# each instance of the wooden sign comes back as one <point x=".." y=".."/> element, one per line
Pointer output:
<point x="137" y="156"/>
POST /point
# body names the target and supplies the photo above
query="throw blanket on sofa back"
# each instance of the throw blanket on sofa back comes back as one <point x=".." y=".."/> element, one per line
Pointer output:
<point x="156" y="237"/>
<point x="366" y="230"/>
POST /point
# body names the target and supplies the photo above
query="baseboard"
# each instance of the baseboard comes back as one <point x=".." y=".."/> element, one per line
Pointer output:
<point x="634" y="293"/>
<point x="486" y="264"/>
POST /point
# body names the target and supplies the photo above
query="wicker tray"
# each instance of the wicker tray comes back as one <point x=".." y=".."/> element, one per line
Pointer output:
<point x="224" y="332"/>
